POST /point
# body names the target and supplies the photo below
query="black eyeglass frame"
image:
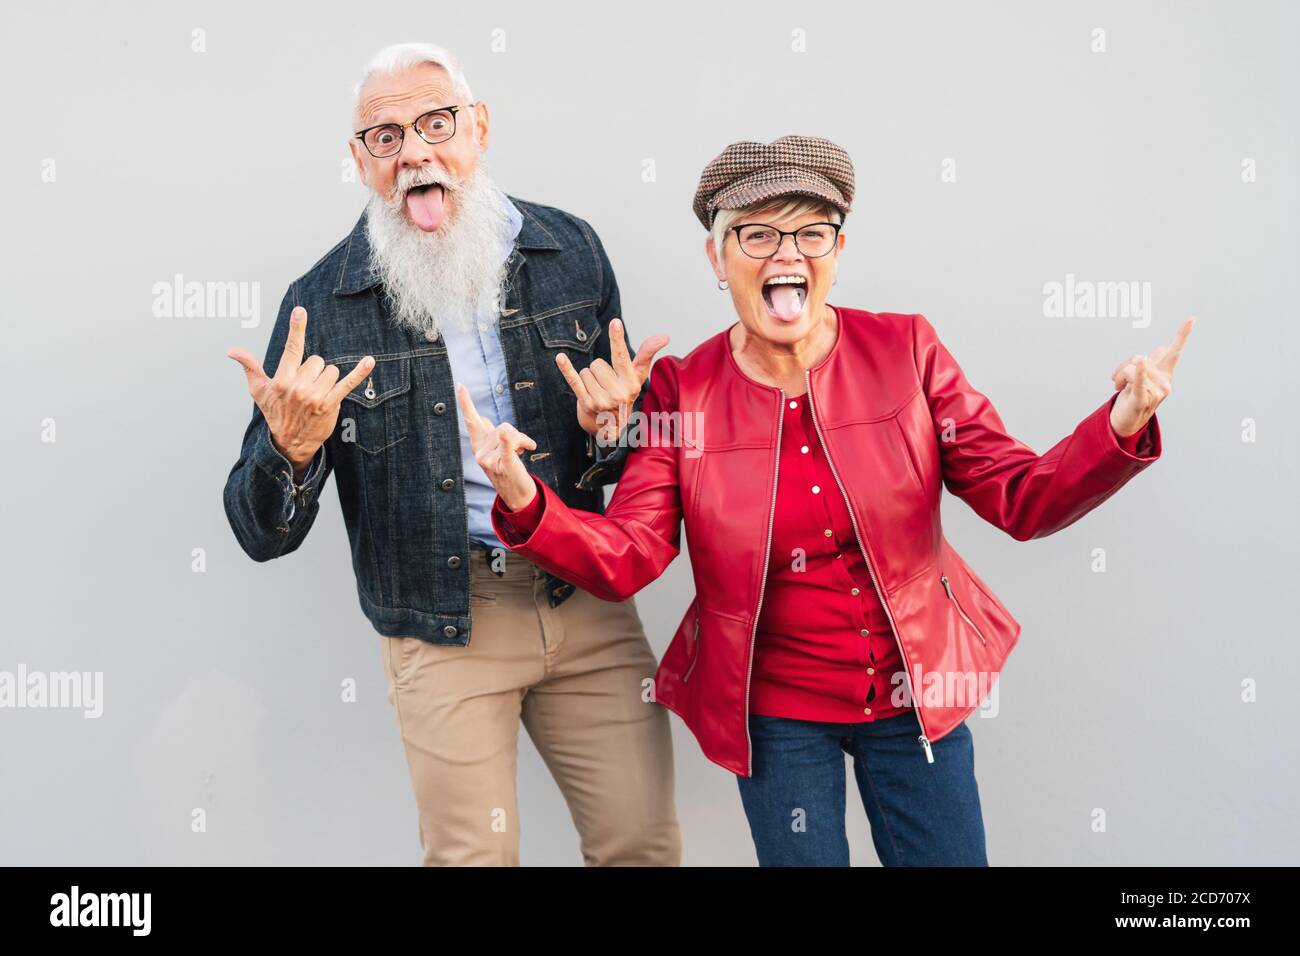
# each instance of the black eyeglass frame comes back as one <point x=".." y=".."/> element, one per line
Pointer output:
<point x="403" y="127"/>
<point x="781" y="234"/>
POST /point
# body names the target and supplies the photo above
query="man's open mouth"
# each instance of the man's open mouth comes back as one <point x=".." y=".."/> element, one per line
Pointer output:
<point x="424" y="204"/>
<point x="785" y="296"/>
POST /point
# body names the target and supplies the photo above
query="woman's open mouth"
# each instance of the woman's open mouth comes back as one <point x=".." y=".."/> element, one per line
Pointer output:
<point x="424" y="204"/>
<point x="785" y="296"/>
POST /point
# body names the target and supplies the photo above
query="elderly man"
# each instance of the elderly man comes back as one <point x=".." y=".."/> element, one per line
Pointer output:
<point x="445" y="279"/>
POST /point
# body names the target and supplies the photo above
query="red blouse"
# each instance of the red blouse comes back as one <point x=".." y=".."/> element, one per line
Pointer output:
<point x="824" y="649"/>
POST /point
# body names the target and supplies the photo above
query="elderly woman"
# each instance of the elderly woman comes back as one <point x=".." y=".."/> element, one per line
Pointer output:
<point x="805" y="448"/>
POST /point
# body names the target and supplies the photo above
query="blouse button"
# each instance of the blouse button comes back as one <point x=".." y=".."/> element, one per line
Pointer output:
<point x="803" y="450"/>
<point x="864" y="632"/>
<point x="828" y="533"/>
<point x="866" y="710"/>
<point x="871" y="670"/>
<point x="817" y="489"/>
<point x="794" y="404"/>
<point x="856" y="592"/>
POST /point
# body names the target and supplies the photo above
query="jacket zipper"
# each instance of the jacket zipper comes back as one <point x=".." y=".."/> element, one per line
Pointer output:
<point x="696" y="642"/>
<point x="762" y="581"/>
<point x="924" y="739"/>
<point x="957" y="604"/>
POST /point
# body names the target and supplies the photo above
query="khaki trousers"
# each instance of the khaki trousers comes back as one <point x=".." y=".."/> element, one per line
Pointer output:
<point x="575" y="676"/>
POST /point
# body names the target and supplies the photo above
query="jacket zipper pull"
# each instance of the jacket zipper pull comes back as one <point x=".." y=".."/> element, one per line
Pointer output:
<point x="925" y="742"/>
<point x="695" y="642"/>
<point x="944" y="579"/>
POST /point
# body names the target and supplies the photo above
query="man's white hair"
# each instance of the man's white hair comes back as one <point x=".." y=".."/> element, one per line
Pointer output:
<point x="403" y="56"/>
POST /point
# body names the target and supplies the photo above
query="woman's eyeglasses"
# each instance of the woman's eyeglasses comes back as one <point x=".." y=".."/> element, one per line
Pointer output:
<point x="760" y="241"/>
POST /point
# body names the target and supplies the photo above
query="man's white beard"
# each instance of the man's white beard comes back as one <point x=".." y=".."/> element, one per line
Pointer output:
<point x="436" y="279"/>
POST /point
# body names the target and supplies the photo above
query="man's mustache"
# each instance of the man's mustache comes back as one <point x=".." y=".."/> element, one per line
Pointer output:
<point x="431" y="175"/>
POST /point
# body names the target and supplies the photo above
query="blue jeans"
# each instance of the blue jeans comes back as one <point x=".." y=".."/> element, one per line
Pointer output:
<point x="921" y="813"/>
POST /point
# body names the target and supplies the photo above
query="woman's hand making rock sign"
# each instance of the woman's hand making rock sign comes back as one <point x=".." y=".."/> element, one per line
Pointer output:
<point x="1145" y="381"/>
<point x="496" y="449"/>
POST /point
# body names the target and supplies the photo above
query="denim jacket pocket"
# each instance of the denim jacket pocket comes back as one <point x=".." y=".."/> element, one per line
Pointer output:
<point x="368" y="416"/>
<point x="575" y="327"/>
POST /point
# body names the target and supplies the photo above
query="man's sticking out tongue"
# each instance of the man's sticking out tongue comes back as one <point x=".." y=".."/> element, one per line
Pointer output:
<point x="425" y="207"/>
<point x="787" y="301"/>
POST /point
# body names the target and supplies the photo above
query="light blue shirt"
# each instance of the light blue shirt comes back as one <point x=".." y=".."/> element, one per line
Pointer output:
<point x="478" y="363"/>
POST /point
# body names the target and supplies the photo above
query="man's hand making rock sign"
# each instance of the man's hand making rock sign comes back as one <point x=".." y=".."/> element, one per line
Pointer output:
<point x="496" y="449"/>
<point x="301" y="402"/>
<point x="607" y="391"/>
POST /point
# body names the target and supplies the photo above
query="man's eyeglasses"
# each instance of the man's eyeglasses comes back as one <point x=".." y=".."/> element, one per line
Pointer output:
<point x="435" y="126"/>
<point x="760" y="241"/>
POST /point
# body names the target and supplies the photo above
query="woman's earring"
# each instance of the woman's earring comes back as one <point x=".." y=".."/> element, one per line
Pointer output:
<point x="722" y="283"/>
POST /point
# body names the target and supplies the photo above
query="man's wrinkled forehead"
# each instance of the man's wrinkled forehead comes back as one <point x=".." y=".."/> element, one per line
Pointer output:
<point x="397" y="97"/>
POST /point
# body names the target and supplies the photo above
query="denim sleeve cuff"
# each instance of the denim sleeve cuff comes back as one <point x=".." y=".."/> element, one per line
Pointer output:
<point x="606" y="452"/>
<point x="605" y="469"/>
<point x="274" y="465"/>
<point x="609" y="459"/>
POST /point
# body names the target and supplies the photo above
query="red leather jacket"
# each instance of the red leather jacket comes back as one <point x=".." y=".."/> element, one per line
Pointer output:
<point x="899" y="422"/>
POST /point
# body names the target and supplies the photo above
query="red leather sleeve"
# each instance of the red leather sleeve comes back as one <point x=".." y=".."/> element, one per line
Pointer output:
<point x="1140" y="443"/>
<point x="522" y="522"/>
<point x="616" y="554"/>
<point x="1005" y="481"/>
<point x="1129" y="442"/>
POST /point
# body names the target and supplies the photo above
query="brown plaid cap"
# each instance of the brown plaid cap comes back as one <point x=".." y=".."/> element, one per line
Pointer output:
<point x="746" y="173"/>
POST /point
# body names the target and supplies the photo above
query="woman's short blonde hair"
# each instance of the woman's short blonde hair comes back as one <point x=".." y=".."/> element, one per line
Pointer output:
<point x="790" y="208"/>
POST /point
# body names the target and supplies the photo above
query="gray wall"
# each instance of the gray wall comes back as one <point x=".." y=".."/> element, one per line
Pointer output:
<point x="222" y="688"/>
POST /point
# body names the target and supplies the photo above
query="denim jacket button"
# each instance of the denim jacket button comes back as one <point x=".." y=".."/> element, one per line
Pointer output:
<point x="453" y="562"/>
<point x="449" y="631"/>
<point x="440" y="408"/>
<point x="448" y="484"/>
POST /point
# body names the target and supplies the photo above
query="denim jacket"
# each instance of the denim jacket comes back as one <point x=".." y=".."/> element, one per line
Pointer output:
<point x="395" y="452"/>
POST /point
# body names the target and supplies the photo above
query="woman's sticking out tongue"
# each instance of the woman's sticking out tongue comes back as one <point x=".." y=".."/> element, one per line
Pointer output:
<point x="787" y="301"/>
<point x="425" y="207"/>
